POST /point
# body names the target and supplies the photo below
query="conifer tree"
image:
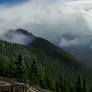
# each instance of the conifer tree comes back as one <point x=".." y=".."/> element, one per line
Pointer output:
<point x="22" y="69"/>
<point x="4" y="66"/>
<point x="42" y="77"/>
<point x="79" y="86"/>
<point x="34" y="72"/>
<point x="19" y="64"/>
<point x="72" y="89"/>
<point x="51" y="80"/>
<point x="12" y="67"/>
<point x="62" y="84"/>
<point x="20" y="59"/>
<point x="66" y="86"/>
<point x="48" y="80"/>
<point x="58" y="87"/>
<point x="85" y="85"/>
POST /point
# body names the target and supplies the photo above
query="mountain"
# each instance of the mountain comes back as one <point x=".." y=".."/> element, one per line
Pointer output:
<point x="54" y="59"/>
<point x="19" y="36"/>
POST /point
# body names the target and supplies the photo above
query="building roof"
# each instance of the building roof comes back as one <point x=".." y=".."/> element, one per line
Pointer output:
<point x="9" y="82"/>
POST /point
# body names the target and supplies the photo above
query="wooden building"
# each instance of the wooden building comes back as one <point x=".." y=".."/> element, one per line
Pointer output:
<point x="16" y="87"/>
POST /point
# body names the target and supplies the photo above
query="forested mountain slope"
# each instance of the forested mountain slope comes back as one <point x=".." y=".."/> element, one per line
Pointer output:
<point x="42" y="63"/>
<point x="54" y="59"/>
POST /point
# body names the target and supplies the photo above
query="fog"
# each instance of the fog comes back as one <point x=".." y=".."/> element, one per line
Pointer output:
<point x="50" y="19"/>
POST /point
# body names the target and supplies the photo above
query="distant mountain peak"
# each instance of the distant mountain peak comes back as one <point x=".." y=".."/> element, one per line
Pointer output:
<point x="20" y="36"/>
<point x="23" y="31"/>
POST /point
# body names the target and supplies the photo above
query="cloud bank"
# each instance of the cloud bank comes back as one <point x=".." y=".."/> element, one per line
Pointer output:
<point x="51" y="19"/>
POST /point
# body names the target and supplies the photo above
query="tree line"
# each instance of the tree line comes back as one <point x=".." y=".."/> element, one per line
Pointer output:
<point x="38" y="75"/>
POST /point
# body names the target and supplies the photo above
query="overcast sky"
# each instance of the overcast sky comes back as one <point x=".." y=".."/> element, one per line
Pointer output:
<point x="49" y="18"/>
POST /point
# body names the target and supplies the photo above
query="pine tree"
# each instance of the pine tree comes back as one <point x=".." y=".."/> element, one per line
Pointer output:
<point x="66" y="86"/>
<point x="72" y="89"/>
<point x="85" y="85"/>
<point x="19" y="64"/>
<point x="4" y="66"/>
<point x="58" y="87"/>
<point x="22" y="69"/>
<point x="51" y="82"/>
<point x="34" y="72"/>
<point x="79" y="86"/>
<point x="20" y="59"/>
<point x="13" y="67"/>
<point x="62" y="84"/>
<point x="42" y="77"/>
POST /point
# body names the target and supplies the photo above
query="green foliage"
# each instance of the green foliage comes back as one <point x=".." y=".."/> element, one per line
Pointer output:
<point x="22" y="70"/>
<point x="4" y="66"/>
<point x="85" y="85"/>
<point x="45" y="65"/>
<point x="79" y="85"/>
<point x="12" y="68"/>
<point x="34" y="72"/>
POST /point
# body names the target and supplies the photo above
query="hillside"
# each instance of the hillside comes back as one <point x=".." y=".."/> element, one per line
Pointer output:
<point x="53" y="58"/>
<point x="63" y="62"/>
<point x="41" y="63"/>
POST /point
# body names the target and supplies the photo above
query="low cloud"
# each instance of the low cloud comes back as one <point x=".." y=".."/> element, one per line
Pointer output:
<point x="50" y="19"/>
<point x="17" y="36"/>
<point x="76" y="41"/>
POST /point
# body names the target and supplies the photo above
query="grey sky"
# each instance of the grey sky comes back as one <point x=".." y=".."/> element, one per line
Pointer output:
<point x="50" y="20"/>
